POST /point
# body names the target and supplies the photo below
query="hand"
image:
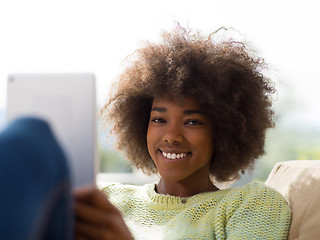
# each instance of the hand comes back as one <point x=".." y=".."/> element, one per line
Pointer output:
<point x="97" y="218"/>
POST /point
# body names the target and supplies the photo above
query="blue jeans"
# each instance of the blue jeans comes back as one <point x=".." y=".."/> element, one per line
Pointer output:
<point x="36" y="201"/>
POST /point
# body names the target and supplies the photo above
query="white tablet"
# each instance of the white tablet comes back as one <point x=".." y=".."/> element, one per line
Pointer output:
<point x="68" y="103"/>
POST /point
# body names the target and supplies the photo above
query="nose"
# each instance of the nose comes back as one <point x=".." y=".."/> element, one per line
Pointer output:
<point x="173" y="134"/>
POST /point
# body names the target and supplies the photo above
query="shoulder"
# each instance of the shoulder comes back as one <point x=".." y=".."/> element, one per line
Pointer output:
<point x="260" y="207"/>
<point x="257" y="190"/>
<point x="256" y="200"/>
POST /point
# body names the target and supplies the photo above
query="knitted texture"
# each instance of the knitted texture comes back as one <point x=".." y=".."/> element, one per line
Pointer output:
<point x="254" y="211"/>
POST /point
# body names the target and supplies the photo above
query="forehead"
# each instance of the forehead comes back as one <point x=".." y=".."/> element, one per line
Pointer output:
<point x="184" y="102"/>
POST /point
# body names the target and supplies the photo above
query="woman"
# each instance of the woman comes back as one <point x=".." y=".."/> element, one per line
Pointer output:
<point x="195" y="111"/>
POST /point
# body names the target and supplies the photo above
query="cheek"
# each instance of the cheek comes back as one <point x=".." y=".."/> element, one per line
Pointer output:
<point x="205" y="144"/>
<point x="150" y="140"/>
<point x="210" y="141"/>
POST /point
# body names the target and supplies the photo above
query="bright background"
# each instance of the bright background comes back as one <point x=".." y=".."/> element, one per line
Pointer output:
<point x="96" y="35"/>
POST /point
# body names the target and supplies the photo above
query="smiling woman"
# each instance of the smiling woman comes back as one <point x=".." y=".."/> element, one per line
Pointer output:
<point x="194" y="111"/>
<point x="224" y="78"/>
<point x="180" y="143"/>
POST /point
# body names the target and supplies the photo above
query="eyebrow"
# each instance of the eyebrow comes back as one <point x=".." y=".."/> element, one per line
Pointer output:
<point x="193" y="111"/>
<point x="187" y="112"/>
<point x="159" y="109"/>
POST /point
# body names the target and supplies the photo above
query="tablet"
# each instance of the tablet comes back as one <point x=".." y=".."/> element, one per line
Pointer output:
<point x="68" y="103"/>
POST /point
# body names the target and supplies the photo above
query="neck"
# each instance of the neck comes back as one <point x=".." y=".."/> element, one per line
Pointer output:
<point x="184" y="189"/>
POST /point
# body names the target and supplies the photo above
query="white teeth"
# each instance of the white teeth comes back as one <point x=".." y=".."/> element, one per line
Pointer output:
<point x="174" y="155"/>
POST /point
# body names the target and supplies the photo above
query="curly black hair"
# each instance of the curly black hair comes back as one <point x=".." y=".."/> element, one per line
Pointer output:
<point x="225" y="78"/>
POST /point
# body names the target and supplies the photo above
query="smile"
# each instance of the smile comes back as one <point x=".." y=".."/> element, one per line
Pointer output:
<point x="173" y="155"/>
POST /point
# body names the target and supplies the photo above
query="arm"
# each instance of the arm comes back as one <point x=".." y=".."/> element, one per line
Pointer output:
<point x="97" y="218"/>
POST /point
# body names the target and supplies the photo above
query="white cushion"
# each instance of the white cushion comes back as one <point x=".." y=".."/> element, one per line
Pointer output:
<point x="299" y="183"/>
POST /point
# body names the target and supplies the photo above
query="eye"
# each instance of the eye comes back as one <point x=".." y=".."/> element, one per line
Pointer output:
<point x="158" y="120"/>
<point x="193" y="122"/>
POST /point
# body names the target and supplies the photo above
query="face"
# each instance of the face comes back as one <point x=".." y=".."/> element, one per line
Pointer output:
<point x="180" y="139"/>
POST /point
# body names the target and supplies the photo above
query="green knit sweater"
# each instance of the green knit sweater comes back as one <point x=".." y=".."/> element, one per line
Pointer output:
<point x="254" y="211"/>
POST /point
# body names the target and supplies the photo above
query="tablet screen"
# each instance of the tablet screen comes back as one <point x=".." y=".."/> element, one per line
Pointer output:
<point x="68" y="103"/>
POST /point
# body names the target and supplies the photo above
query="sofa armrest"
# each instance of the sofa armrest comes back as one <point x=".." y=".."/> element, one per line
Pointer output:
<point x="299" y="183"/>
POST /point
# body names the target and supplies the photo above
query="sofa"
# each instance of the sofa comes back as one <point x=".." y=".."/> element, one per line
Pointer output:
<point x="299" y="182"/>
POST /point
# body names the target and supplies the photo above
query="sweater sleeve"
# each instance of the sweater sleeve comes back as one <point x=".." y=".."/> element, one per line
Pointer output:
<point x="261" y="213"/>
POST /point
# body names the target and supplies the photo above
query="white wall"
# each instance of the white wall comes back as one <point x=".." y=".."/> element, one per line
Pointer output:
<point x="96" y="35"/>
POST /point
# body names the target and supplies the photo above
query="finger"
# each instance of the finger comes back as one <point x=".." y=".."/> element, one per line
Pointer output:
<point x="101" y="200"/>
<point x="97" y="224"/>
<point x="80" y="237"/>
<point x="84" y="193"/>
<point x="95" y="215"/>
<point x="94" y="197"/>
<point x="90" y="214"/>
<point x="88" y="231"/>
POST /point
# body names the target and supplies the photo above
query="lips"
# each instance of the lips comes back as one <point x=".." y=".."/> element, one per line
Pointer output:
<point x="173" y="155"/>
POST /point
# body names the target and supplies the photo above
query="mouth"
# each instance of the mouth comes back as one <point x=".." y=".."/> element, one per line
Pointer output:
<point x="173" y="156"/>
